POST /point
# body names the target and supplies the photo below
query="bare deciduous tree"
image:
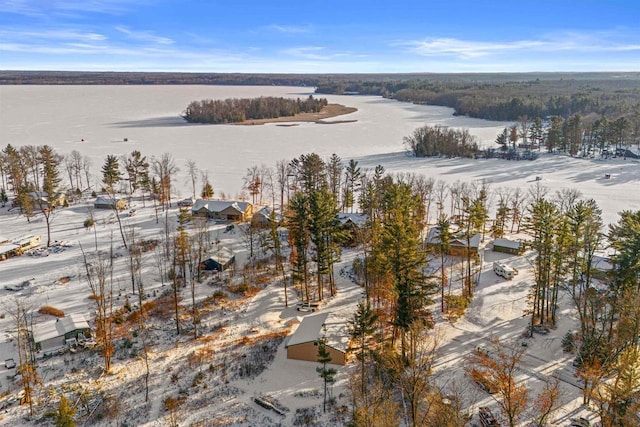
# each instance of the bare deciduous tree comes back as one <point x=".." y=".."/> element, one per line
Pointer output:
<point x="497" y="370"/>
<point x="99" y="270"/>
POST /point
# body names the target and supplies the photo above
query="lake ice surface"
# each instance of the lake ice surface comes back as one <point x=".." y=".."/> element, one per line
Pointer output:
<point x="149" y="118"/>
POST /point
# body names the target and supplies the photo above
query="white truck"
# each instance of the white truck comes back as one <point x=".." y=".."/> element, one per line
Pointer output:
<point x="504" y="270"/>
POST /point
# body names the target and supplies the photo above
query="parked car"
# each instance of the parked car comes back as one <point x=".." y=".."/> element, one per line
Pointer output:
<point x="9" y="364"/>
<point x="308" y="306"/>
<point x="19" y="286"/>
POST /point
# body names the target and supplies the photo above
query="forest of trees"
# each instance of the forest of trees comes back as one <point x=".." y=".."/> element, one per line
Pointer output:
<point x="492" y="96"/>
<point x="391" y="328"/>
<point x="234" y="110"/>
<point x="575" y="135"/>
<point x="498" y="97"/>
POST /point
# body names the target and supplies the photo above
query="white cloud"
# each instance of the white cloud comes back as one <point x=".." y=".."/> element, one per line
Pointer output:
<point x="558" y="42"/>
<point x="68" y="7"/>
<point x="291" y="29"/>
<point x="315" y="53"/>
<point x="52" y="34"/>
<point x="144" y="36"/>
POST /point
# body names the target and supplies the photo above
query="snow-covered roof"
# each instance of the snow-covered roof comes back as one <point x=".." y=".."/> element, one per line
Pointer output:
<point x="222" y="255"/>
<point x="110" y="201"/>
<point x="45" y="331"/>
<point x="219" y="205"/>
<point x="26" y="240"/>
<point x="308" y="330"/>
<point x="474" y="241"/>
<point x="266" y="214"/>
<point x="59" y="327"/>
<point x="337" y="335"/>
<point x="358" y="219"/>
<point x="311" y="329"/>
<point x="433" y="237"/>
<point x="73" y="322"/>
<point x="505" y="243"/>
<point x="7" y="247"/>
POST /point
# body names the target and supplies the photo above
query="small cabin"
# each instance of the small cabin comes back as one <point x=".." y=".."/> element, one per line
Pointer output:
<point x="110" y="203"/>
<point x="459" y="245"/>
<point x="54" y="334"/>
<point x="220" y="260"/>
<point x="303" y="344"/>
<point x="513" y="247"/>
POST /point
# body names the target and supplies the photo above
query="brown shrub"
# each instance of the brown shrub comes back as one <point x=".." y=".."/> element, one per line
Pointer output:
<point x="244" y="289"/>
<point x="51" y="311"/>
<point x="161" y="307"/>
<point x="134" y="316"/>
<point x="262" y="279"/>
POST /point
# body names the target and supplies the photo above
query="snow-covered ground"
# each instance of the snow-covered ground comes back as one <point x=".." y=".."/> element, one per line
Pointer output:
<point x="230" y="327"/>
<point x="148" y="118"/>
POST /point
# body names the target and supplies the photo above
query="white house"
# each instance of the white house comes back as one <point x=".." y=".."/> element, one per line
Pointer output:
<point x="52" y="335"/>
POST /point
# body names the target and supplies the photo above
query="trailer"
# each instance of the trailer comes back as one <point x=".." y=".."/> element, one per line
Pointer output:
<point x="503" y="270"/>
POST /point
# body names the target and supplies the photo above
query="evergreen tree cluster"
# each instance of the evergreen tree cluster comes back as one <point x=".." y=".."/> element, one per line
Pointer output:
<point x="505" y="97"/>
<point x="430" y="141"/>
<point x="235" y="110"/>
<point x="576" y="135"/>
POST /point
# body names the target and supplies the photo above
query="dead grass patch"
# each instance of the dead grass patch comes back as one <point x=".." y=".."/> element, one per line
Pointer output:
<point x="244" y="289"/>
<point x="51" y="311"/>
<point x="161" y="307"/>
<point x="331" y="110"/>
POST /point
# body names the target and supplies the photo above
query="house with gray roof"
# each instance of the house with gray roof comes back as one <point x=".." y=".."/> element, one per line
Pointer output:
<point x="229" y="210"/>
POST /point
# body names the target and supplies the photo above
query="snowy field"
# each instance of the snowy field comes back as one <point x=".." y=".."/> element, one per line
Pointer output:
<point x="148" y="116"/>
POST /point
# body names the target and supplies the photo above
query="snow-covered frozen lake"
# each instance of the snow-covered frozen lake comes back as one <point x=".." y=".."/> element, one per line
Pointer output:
<point x="149" y="118"/>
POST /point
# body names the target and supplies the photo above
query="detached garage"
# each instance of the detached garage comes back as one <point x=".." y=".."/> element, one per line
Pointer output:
<point x="303" y="344"/>
<point x="508" y="246"/>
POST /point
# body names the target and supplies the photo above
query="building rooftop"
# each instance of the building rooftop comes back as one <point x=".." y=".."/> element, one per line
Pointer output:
<point x="219" y="205"/>
<point x="505" y="243"/>
<point x="311" y="329"/>
<point x="59" y="327"/>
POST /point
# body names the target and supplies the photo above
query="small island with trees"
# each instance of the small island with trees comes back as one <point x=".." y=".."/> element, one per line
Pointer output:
<point x="262" y="110"/>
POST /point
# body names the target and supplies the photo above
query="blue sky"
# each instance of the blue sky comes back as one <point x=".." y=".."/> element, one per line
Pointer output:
<point x="320" y="36"/>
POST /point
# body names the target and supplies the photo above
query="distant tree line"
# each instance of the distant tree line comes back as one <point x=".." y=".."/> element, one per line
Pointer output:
<point x="507" y="100"/>
<point x="144" y="78"/>
<point x="233" y="110"/>
<point x="491" y="96"/>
